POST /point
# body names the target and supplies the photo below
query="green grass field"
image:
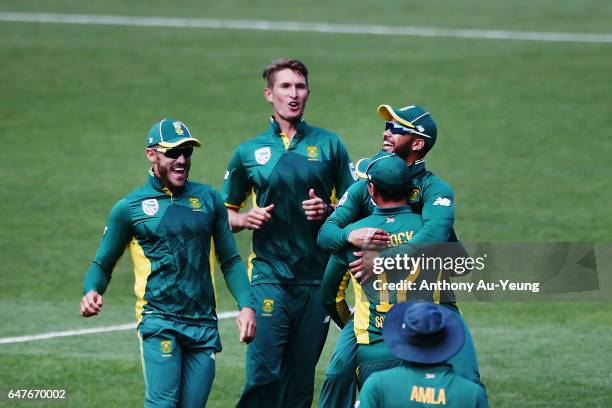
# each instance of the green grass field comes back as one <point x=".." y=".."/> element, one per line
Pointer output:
<point x="524" y="138"/>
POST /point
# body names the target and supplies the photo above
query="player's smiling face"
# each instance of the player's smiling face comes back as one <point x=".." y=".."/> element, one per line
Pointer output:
<point x="173" y="173"/>
<point x="399" y="144"/>
<point x="288" y="95"/>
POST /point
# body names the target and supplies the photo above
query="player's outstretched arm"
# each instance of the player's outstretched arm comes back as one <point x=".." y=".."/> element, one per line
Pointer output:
<point x="231" y="264"/>
<point x="115" y="238"/>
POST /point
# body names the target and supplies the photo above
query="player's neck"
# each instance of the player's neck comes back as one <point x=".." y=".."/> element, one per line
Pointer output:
<point x="289" y="128"/>
<point x="390" y="203"/>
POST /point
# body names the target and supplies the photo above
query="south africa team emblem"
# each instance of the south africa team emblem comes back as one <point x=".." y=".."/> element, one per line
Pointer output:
<point x="312" y="152"/>
<point x="150" y="207"/>
<point x="195" y="202"/>
<point x="166" y="346"/>
<point x="263" y="155"/>
<point x="267" y="305"/>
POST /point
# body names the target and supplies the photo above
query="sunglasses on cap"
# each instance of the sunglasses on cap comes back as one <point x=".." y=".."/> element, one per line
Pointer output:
<point x="398" y="129"/>
<point x="176" y="152"/>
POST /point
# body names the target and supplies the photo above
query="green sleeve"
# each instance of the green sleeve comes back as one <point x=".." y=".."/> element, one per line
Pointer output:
<point x="345" y="170"/>
<point x="483" y="402"/>
<point x="369" y="394"/>
<point x="438" y="214"/>
<point x="333" y="236"/>
<point x="117" y="234"/>
<point x="333" y="287"/>
<point x="228" y="258"/>
<point x="235" y="187"/>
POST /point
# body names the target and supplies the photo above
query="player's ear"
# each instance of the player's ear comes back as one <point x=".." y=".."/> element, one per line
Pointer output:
<point x="151" y="155"/>
<point x="371" y="189"/>
<point x="418" y="144"/>
<point x="268" y="94"/>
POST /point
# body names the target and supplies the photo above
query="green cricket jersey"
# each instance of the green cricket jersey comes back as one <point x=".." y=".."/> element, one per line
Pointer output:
<point x="276" y="171"/>
<point x="374" y="299"/>
<point x="169" y="237"/>
<point x="412" y="385"/>
<point x="429" y="196"/>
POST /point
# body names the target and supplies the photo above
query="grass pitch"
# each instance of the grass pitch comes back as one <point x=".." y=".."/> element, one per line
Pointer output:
<point x="524" y="140"/>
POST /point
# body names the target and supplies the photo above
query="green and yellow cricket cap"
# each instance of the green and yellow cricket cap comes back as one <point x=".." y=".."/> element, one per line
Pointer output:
<point x="389" y="172"/>
<point x="170" y="133"/>
<point x="415" y="119"/>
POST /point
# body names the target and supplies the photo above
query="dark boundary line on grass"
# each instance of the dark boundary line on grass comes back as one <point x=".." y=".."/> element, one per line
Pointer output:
<point x="303" y="27"/>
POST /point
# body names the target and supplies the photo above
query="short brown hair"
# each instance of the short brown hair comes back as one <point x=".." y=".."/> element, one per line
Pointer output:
<point x="284" y="63"/>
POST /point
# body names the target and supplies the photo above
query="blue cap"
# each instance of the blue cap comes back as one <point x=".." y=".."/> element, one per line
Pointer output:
<point x="423" y="332"/>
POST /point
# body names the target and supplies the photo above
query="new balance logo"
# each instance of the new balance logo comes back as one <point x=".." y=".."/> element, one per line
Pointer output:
<point x="442" y="201"/>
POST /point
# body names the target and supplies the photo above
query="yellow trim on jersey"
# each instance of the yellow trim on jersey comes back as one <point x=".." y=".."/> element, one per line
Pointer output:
<point x="211" y="260"/>
<point x="142" y="270"/>
<point x="333" y="198"/>
<point x="236" y="207"/>
<point x="362" y="314"/>
<point x="341" y="298"/>
<point x="436" y="294"/>
<point x="383" y="295"/>
<point x="285" y="139"/>
<point x="252" y="256"/>
<point x="402" y="295"/>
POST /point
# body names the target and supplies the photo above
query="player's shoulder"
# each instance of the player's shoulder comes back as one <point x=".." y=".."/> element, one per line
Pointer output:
<point x="320" y="134"/>
<point x="465" y="386"/>
<point x="319" y="131"/>
<point x="431" y="182"/>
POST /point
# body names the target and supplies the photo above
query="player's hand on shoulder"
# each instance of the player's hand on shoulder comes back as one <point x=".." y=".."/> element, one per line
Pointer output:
<point x="246" y="325"/>
<point x="255" y="218"/>
<point x="91" y="304"/>
<point x="369" y="238"/>
<point x="315" y="208"/>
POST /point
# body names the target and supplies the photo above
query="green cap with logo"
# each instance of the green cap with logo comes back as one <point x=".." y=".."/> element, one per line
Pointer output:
<point x="416" y="120"/>
<point x="389" y="172"/>
<point x="170" y="133"/>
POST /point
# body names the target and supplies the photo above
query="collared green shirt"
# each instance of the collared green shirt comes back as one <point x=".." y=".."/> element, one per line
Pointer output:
<point x="276" y="171"/>
<point x="169" y="237"/>
<point x="429" y="196"/>
<point x="411" y="385"/>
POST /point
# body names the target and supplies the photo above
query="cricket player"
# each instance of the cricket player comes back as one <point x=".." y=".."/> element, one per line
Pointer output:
<point x="411" y="133"/>
<point x="423" y="335"/>
<point x="293" y="171"/>
<point x="388" y="177"/>
<point x="167" y="225"/>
